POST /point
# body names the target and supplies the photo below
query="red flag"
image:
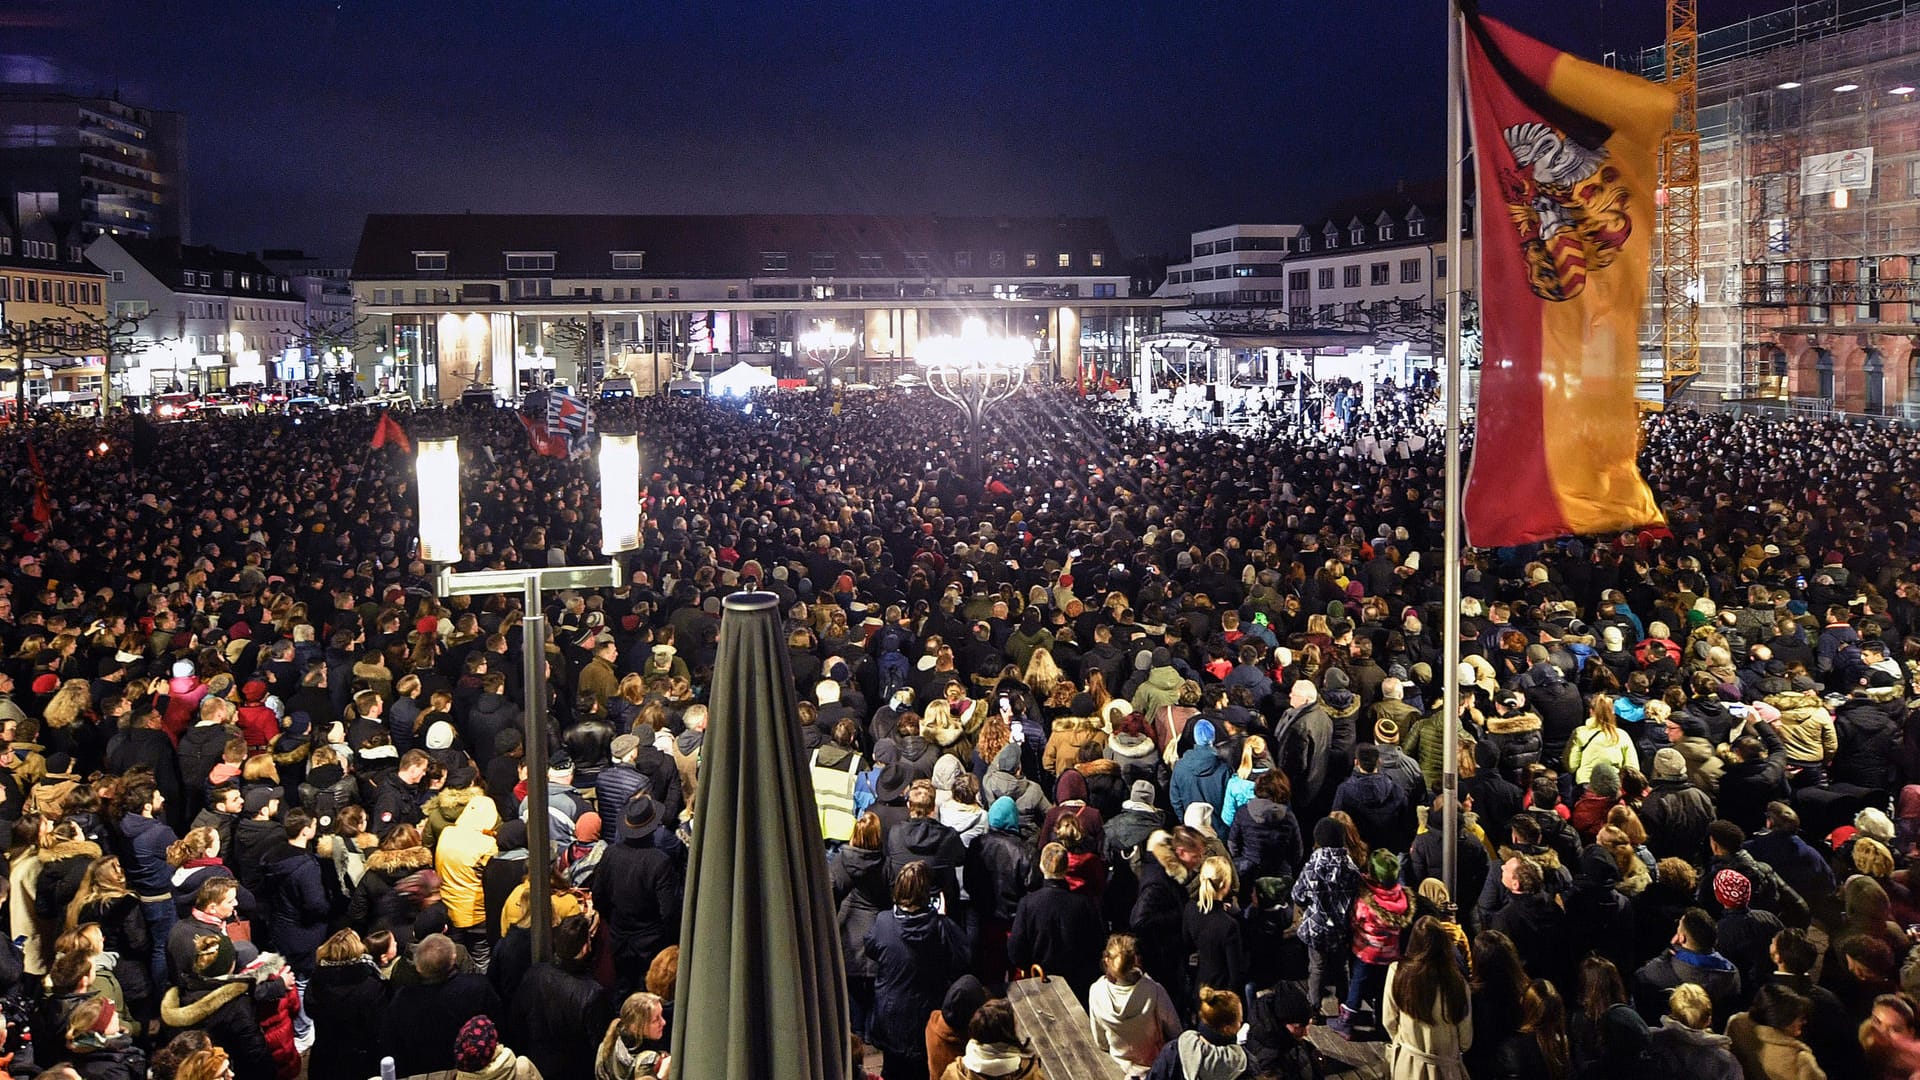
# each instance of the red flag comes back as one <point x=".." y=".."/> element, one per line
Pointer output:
<point x="42" y="506"/>
<point x="1565" y="157"/>
<point x="390" y="431"/>
<point x="543" y="442"/>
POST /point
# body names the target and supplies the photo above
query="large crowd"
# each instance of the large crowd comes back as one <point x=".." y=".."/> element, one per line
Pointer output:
<point x="1157" y="715"/>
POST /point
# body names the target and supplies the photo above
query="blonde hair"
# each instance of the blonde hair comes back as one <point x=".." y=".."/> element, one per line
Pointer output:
<point x="637" y="1013"/>
<point x="342" y="948"/>
<point x="194" y="845"/>
<point x="68" y="704"/>
<point x="1120" y="960"/>
<point x="1689" y="1004"/>
<point x="1216" y="882"/>
<point x="1250" y="755"/>
<point x="1220" y="1009"/>
<point x="1042" y="672"/>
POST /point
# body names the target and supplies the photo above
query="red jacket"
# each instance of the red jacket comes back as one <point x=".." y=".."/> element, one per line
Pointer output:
<point x="1380" y="917"/>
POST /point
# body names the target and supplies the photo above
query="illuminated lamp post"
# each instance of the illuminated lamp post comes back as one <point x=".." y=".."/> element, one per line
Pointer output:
<point x="437" y="476"/>
<point x="828" y="346"/>
<point x="974" y="371"/>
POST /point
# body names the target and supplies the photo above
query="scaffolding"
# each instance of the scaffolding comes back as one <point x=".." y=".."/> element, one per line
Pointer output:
<point x="1818" y="78"/>
<point x="1680" y="205"/>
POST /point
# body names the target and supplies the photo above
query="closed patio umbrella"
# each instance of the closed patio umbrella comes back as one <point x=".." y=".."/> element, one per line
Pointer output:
<point x="762" y="988"/>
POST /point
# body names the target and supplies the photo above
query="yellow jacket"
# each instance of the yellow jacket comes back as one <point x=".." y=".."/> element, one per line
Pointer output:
<point x="462" y="855"/>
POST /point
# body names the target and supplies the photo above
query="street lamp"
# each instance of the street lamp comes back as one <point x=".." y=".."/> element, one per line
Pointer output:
<point x="975" y="370"/>
<point x="828" y="346"/>
<point x="437" y="476"/>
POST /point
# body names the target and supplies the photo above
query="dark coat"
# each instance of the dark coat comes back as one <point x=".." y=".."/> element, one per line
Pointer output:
<point x="557" y="1018"/>
<point x="1379" y="810"/>
<point x="1265" y="840"/>
<point x="200" y="748"/>
<point x="231" y="1013"/>
<point x="637" y="892"/>
<point x="928" y="841"/>
<point x="1000" y="870"/>
<point x="124" y="930"/>
<point x="1676" y="815"/>
<point x="297" y="897"/>
<point x="915" y="958"/>
<point x="345" y="998"/>
<point x="616" y="786"/>
<point x="423" y="1020"/>
<point x="374" y="904"/>
<point x="252" y="840"/>
<point x="862" y="889"/>
<point x="1214" y="938"/>
<point x="1538" y="928"/>
<point x="1711" y="972"/>
<point x="1061" y="931"/>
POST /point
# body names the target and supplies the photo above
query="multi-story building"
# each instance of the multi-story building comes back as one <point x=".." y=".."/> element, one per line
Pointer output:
<point x="503" y="300"/>
<point x="97" y="162"/>
<point x="1232" y="264"/>
<point x="1809" y="205"/>
<point x="214" y="319"/>
<point x="47" y="281"/>
<point x="331" y="338"/>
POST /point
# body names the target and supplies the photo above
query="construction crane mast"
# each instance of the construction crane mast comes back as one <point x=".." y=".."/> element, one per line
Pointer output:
<point x="1680" y="282"/>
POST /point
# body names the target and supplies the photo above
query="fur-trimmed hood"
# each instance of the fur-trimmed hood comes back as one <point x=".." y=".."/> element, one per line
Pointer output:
<point x="400" y="863"/>
<point x="1517" y="724"/>
<point x="943" y="733"/>
<point x="1068" y="725"/>
<point x="1160" y="846"/>
<point x="68" y="849"/>
<point x="372" y="672"/>
<point x="177" y="1012"/>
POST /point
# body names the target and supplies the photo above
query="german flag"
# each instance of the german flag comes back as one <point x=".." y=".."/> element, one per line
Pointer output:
<point x="1564" y="153"/>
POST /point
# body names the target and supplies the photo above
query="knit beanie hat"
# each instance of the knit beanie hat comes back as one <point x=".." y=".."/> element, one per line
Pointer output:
<point x="1003" y="814"/>
<point x="1668" y="764"/>
<point x="1605" y="780"/>
<point x="474" y="1047"/>
<point x="1732" y="888"/>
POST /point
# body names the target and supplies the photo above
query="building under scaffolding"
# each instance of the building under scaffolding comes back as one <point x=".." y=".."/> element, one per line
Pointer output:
<point x="1809" y="213"/>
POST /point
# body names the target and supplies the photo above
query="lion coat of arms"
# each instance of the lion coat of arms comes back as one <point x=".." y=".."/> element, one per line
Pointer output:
<point x="1569" y="205"/>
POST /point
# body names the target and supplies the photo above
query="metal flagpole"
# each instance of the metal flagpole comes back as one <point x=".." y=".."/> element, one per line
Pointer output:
<point x="1450" y="581"/>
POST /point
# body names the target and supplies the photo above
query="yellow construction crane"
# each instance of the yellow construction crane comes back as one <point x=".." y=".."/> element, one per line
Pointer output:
<point x="1680" y="282"/>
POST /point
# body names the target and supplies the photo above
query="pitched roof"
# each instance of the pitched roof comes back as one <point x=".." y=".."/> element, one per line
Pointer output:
<point x="166" y="259"/>
<point x="731" y="245"/>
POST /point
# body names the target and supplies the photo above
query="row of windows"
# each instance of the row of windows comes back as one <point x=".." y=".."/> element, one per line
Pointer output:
<point x="1207" y="273"/>
<point x="827" y="261"/>
<point x="35" y="290"/>
<point x="537" y="288"/>
<point x="1241" y="243"/>
<point x="214" y="309"/>
<point x="780" y="261"/>
<point x="1379" y="273"/>
<point x="204" y="279"/>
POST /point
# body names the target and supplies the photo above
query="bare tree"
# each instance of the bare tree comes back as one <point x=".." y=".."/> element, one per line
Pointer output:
<point x="1417" y="322"/>
<point x="68" y="340"/>
<point x="575" y="337"/>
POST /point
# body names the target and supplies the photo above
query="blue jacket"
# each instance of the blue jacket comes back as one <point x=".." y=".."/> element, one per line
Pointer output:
<point x="915" y="958"/>
<point x="147" y="841"/>
<point x="1199" y="776"/>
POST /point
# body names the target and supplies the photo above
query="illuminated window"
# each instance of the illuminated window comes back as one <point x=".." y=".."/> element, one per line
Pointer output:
<point x="1063" y="260"/>
<point x="1031" y="260"/>
<point x="1096" y="259"/>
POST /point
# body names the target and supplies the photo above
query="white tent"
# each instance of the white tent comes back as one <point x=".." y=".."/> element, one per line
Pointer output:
<point x="740" y="380"/>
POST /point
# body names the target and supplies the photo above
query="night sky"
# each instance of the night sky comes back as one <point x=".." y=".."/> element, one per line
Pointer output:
<point x="1166" y="116"/>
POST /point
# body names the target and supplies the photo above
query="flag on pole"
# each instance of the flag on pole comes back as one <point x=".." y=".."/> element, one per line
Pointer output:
<point x="543" y="441"/>
<point x="568" y="417"/>
<point x="42" y="506"/>
<point x="388" y="430"/>
<point x="1564" y="153"/>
